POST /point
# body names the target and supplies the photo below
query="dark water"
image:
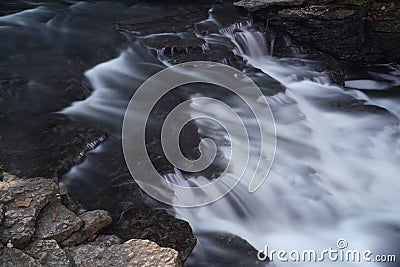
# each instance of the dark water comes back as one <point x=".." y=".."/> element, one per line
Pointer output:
<point x="68" y="69"/>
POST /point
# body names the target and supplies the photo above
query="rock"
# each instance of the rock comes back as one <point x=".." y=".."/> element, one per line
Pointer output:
<point x="48" y="253"/>
<point x="1" y="213"/>
<point x="9" y="180"/>
<point x="157" y="226"/>
<point x="135" y="252"/>
<point x="93" y="221"/>
<point x="107" y="240"/>
<point x="355" y="31"/>
<point x="253" y="5"/>
<point x="48" y="157"/>
<point x="225" y="249"/>
<point x="12" y="257"/>
<point x="56" y="222"/>
<point x="19" y="222"/>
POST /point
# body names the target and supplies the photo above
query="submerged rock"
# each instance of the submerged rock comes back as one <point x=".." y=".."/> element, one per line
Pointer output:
<point x="19" y="220"/>
<point x="134" y="252"/>
<point x="56" y="222"/>
<point x="226" y="249"/>
<point x="48" y="253"/>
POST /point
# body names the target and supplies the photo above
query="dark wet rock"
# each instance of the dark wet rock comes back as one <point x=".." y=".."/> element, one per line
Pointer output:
<point x="12" y="257"/>
<point x="56" y="222"/>
<point x="253" y="5"/>
<point x="225" y="249"/>
<point x="359" y="31"/>
<point x="93" y="222"/>
<point x="48" y="253"/>
<point x="50" y="148"/>
<point x="30" y="96"/>
<point x="173" y="18"/>
<point x="134" y="252"/>
<point x="157" y="226"/>
<point x="19" y="222"/>
<point x="116" y="193"/>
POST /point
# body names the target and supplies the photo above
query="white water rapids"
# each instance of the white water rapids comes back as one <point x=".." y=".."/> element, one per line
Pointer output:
<point x="336" y="168"/>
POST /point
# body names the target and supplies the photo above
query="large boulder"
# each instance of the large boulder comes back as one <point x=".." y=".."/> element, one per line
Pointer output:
<point x="134" y="252"/>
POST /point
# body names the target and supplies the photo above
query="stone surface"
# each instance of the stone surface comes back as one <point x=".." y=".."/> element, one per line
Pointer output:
<point x="253" y="5"/>
<point x="157" y="226"/>
<point x="9" y="180"/>
<point x="12" y="257"/>
<point x="232" y="250"/>
<point x="134" y="252"/>
<point x="48" y="253"/>
<point x="107" y="240"/>
<point x="19" y="222"/>
<point x="1" y="213"/>
<point x="93" y="221"/>
<point x="56" y="222"/>
<point x="356" y="31"/>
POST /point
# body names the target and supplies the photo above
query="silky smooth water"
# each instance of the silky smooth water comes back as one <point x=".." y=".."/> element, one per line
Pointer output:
<point x="336" y="169"/>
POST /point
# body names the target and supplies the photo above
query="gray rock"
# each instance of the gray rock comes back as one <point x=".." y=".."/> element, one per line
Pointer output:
<point x="9" y="180"/>
<point x="48" y="253"/>
<point x="19" y="222"/>
<point x="94" y="221"/>
<point x="135" y="252"/>
<point x="12" y="257"/>
<point x="107" y="240"/>
<point x="157" y="226"/>
<point x="254" y="5"/>
<point x="56" y="222"/>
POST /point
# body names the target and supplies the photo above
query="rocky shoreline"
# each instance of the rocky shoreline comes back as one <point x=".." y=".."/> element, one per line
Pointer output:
<point x="38" y="229"/>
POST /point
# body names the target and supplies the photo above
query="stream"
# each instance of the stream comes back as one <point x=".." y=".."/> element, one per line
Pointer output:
<point x="335" y="173"/>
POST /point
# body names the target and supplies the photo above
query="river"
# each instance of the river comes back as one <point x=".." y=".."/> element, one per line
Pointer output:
<point x="335" y="173"/>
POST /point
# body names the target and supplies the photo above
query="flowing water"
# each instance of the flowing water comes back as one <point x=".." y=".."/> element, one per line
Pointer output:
<point x="336" y="169"/>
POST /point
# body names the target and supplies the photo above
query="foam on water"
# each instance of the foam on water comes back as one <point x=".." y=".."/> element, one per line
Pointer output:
<point x="336" y="171"/>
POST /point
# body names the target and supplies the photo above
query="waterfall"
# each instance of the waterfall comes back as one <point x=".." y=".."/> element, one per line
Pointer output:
<point x="335" y="173"/>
